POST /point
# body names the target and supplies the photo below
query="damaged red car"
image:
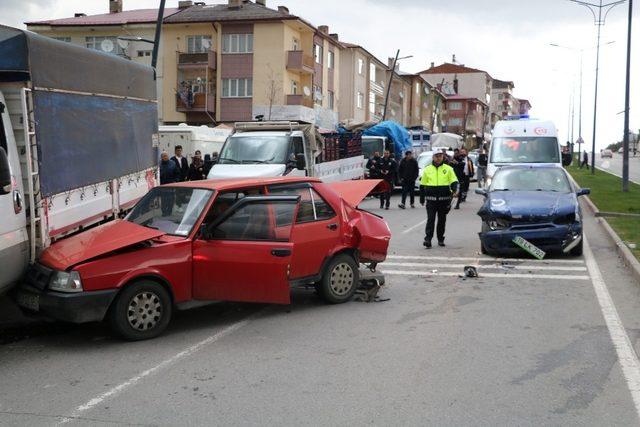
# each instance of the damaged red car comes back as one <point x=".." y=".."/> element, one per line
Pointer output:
<point x="246" y="240"/>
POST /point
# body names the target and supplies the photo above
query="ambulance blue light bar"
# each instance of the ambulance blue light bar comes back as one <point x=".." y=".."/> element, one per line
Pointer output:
<point x="518" y="117"/>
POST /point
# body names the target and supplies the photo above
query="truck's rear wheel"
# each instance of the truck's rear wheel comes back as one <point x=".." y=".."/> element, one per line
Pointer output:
<point x="340" y="279"/>
<point x="141" y="311"/>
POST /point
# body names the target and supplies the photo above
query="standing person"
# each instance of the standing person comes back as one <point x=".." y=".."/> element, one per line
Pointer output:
<point x="169" y="172"/>
<point x="196" y="170"/>
<point x="408" y="172"/>
<point x="585" y="160"/>
<point x="439" y="185"/>
<point x="214" y="158"/>
<point x="208" y="164"/>
<point x="373" y="166"/>
<point x="483" y="160"/>
<point x="388" y="168"/>
<point x="181" y="162"/>
<point x="466" y="172"/>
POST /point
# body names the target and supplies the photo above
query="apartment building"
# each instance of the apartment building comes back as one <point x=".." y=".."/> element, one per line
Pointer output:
<point x="503" y="102"/>
<point x="426" y="105"/>
<point x="259" y="62"/>
<point x="466" y="116"/>
<point x="523" y="106"/>
<point x="123" y="33"/>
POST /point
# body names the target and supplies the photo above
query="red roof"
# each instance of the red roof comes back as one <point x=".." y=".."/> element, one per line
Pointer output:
<point x="448" y="68"/>
<point x="126" y="17"/>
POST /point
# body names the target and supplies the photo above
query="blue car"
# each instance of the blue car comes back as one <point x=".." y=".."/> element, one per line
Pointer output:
<point x="537" y="203"/>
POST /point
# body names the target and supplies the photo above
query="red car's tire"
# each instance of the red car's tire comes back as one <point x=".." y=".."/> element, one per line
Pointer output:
<point x="340" y="279"/>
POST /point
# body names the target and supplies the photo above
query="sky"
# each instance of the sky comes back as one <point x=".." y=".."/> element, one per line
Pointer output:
<point x="508" y="39"/>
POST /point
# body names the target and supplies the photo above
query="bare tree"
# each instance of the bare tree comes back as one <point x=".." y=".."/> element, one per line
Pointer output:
<point x="274" y="85"/>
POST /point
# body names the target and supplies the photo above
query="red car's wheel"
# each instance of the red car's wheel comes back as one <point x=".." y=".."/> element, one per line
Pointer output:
<point x="340" y="279"/>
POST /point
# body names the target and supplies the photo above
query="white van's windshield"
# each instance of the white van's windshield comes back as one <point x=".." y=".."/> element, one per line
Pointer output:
<point x="255" y="149"/>
<point x="525" y="150"/>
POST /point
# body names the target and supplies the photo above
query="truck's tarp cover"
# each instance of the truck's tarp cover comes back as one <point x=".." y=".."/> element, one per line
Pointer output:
<point x="396" y="133"/>
<point x="83" y="138"/>
<point x="446" y="140"/>
<point x="50" y="63"/>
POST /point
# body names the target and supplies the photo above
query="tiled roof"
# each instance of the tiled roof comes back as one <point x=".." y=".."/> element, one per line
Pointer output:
<point x="448" y="68"/>
<point x="248" y="11"/>
<point x="138" y="16"/>
<point x="502" y="84"/>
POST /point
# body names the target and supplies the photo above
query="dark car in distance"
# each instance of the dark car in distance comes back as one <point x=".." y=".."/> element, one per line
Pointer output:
<point x="537" y="203"/>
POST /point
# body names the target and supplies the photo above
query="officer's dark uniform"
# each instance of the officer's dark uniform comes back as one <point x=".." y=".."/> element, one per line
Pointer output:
<point x="437" y="185"/>
<point x="388" y="169"/>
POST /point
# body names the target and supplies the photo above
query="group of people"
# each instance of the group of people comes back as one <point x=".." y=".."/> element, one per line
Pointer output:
<point x="178" y="169"/>
<point x="445" y="179"/>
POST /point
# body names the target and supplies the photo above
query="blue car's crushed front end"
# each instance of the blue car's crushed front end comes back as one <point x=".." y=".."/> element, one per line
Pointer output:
<point x="550" y="221"/>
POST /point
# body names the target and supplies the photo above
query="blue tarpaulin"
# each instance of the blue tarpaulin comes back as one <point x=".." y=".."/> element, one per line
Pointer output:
<point x="396" y="133"/>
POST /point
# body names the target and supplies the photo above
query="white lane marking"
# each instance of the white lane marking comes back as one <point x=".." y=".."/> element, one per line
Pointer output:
<point x="164" y="364"/>
<point x="487" y="259"/>
<point x="410" y="229"/>
<point x="626" y="354"/>
<point x="486" y="267"/>
<point x="490" y="275"/>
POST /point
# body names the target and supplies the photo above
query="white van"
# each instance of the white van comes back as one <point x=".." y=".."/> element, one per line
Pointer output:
<point x="523" y="141"/>
<point x="191" y="138"/>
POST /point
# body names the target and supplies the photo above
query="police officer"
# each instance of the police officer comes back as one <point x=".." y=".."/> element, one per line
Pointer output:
<point x="439" y="185"/>
<point x="388" y="169"/>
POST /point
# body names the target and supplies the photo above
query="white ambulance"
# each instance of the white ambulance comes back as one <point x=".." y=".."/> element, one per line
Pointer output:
<point x="523" y="141"/>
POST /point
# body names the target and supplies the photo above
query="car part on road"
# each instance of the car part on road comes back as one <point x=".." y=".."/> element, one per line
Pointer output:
<point x="470" y="271"/>
<point x="141" y="311"/>
<point x="340" y="279"/>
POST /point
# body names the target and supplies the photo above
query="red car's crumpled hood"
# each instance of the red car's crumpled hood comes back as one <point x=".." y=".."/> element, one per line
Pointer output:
<point x="96" y="242"/>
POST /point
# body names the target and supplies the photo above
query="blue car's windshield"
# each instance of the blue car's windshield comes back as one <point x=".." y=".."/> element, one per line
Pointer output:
<point x="531" y="179"/>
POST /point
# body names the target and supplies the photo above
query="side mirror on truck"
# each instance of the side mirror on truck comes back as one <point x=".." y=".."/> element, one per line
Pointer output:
<point x="5" y="173"/>
<point x="301" y="163"/>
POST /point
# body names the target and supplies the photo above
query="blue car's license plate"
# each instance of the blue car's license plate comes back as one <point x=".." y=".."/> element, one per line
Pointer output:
<point x="529" y="247"/>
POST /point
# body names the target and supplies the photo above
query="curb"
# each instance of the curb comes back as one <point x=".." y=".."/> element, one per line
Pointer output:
<point x="623" y="251"/>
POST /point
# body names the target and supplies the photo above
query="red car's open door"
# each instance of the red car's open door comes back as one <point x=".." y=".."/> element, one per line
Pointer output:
<point x="245" y="255"/>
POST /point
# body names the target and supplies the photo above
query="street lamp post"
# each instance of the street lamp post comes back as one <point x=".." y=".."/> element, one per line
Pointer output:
<point x="597" y="11"/>
<point x="625" y="140"/>
<point x="393" y="69"/>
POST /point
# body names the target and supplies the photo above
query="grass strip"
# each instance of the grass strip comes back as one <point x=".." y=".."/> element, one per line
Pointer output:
<point x="607" y="195"/>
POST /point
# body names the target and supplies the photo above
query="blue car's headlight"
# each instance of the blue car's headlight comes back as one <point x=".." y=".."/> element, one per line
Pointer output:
<point x="498" y="224"/>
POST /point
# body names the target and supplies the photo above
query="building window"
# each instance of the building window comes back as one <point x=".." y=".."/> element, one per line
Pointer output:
<point x="500" y="96"/>
<point x="317" y="95"/>
<point x="330" y="59"/>
<point x="331" y="99"/>
<point x="360" y="100"/>
<point x="198" y="44"/>
<point x="294" y="87"/>
<point x="417" y="88"/>
<point x="372" y="72"/>
<point x="455" y="121"/>
<point x="237" y="88"/>
<point x="237" y="43"/>
<point x="455" y="106"/>
<point x="360" y="66"/>
<point x="317" y="53"/>
<point x="104" y="44"/>
<point x="143" y="53"/>
<point x="62" y="39"/>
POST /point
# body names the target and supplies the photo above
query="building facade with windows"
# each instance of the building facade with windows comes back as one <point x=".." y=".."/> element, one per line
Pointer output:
<point x="466" y="116"/>
<point x="117" y="32"/>
<point x="503" y="102"/>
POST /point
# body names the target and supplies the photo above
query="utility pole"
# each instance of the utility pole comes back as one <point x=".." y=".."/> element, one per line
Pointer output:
<point x="156" y="40"/>
<point x="386" y="96"/>
<point x="597" y="10"/>
<point x="393" y="70"/>
<point x="627" y="95"/>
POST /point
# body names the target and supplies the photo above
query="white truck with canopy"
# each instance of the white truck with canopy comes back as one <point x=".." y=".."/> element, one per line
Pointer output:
<point x="78" y="142"/>
<point x="281" y="148"/>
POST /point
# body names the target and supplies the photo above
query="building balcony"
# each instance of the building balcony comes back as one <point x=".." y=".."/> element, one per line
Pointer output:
<point x="302" y="100"/>
<point x="299" y="62"/>
<point x="201" y="102"/>
<point x="376" y="88"/>
<point x="197" y="60"/>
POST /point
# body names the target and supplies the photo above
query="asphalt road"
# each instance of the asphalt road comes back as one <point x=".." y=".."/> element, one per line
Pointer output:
<point x="614" y="166"/>
<point x="526" y="343"/>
